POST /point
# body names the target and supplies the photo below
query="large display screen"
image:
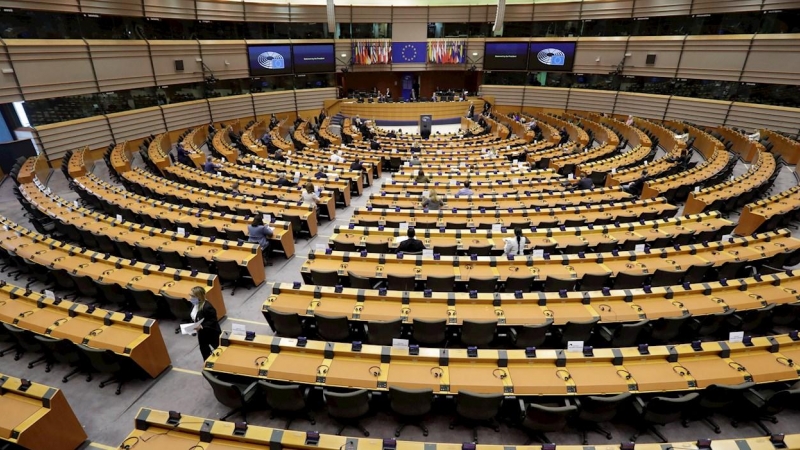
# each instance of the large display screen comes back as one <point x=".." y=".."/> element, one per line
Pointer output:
<point x="551" y="56"/>
<point x="313" y="58"/>
<point x="266" y="60"/>
<point x="505" y="56"/>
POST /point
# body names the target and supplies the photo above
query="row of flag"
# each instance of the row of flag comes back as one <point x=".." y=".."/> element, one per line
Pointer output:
<point x="445" y="51"/>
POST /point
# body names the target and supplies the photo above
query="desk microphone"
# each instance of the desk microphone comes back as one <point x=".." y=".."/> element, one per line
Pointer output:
<point x="566" y="377"/>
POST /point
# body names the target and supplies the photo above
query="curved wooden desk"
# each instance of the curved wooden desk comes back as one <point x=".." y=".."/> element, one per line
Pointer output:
<point x="490" y="177"/>
<point x="407" y="111"/>
<point x="680" y="258"/>
<point x="221" y="436"/>
<point x="97" y="266"/>
<point x="506" y="201"/>
<point x="247" y="255"/>
<point x="758" y="213"/>
<point x="138" y="338"/>
<point x="668" y="368"/>
<point x="37" y="417"/>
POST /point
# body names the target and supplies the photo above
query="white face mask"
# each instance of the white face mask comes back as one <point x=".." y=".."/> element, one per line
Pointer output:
<point x="194" y="301"/>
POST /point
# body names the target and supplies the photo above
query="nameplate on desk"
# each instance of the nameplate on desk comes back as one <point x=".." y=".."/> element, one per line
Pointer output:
<point x="736" y="336"/>
<point x="639" y="248"/>
<point x="575" y="346"/>
<point x="238" y="329"/>
<point x="289" y="342"/>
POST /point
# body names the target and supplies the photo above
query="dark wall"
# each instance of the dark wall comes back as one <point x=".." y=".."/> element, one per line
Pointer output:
<point x="429" y="81"/>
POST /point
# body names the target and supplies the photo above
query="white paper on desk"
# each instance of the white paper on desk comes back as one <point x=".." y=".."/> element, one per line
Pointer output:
<point x="538" y="253"/>
<point x="5" y="227"/>
<point x="406" y="164"/>
<point x="639" y="248"/>
<point x="258" y="181"/>
<point x="181" y="230"/>
<point x="49" y="294"/>
<point x="238" y="329"/>
<point x="725" y="237"/>
<point x="403" y="225"/>
<point x="400" y="343"/>
<point x="321" y="247"/>
<point x="415" y="172"/>
<point x="736" y="336"/>
<point x="453" y="182"/>
<point x="571" y="176"/>
<point x="575" y="346"/>
<point x="645" y="162"/>
<point x="119" y="217"/>
<point x="515" y="180"/>
<point x="427" y="253"/>
<point x="497" y="227"/>
<point x="330" y="168"/>
<point x="332" y="175"/>
<point x="613" y="170"/>
<point x="426" y="193"/>
<point x="289" y="342"/>
<point x="77" y="205"/>
<point x="188" y="328"/>
<point x="697" y="188"/>
<point x="516" y="161"/>
<point x="267" y="218"/>
<point x="254" y="167"/>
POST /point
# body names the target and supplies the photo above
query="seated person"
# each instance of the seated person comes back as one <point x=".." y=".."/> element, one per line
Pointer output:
<point x="465" y="190"/>
<point x="336" y="157"/>
<point x="210" y="166"/>
<point x="412" y="244"/>
<point x="258" y="233"/>
<point x="278" y="156"/>
<point x="414" y="161"/>
<point x="585" y="182"/>
<point x="358" y="165"/>
<point x="391" y="134"/>
<point x="682" y="137"/>
<point x="320" y="173"/>
<point x="310" y="195"/>
<point x="374" y="145"/>
<point x="416" y="148"/>
<point x="755" y="137"/>
<point x="516" y="245"/>
<point x="235" y="188"/>
<point x="635" y="187"/>
<point x="282" y="181"/>
<point x="183" y="156"/>
<point x="421" y="177"/>
<point x="433" y="202"/>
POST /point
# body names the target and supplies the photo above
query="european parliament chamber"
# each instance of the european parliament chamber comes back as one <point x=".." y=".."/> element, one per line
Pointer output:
<point x="409" y="225"/>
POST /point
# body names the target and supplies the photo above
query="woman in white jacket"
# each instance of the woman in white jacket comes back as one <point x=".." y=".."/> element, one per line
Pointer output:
<point x="515" y="245"/>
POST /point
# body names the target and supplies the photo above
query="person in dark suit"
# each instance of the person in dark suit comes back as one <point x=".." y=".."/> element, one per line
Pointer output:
<point x="210" y="166"/>
<point x="205" y="316"/>
<point x="282" y="181"/>
<point x="320" y="173"/>
<point x="471" y="110"/>
<point x="374" y="145"/>
<point x="412" y="244"/>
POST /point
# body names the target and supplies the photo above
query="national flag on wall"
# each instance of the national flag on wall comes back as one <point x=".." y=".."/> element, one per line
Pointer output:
<point x="447" y="51"/>
<point x="409" y="52"/>
<point x="372" y="52"/>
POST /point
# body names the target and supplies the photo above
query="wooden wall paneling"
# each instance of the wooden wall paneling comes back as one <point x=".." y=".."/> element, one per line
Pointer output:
<point x="714" y="57"/>
<point x="56" y="139"/>
<point x="650" y="8"/>
<point x="504" y="95"/>
<point x="518" y="13"/>
<point x="773" y="59"/>
<point x="546" y="97"/>
<point x="454" y="14"/>
<point x="229" y="108"/>
<point x="557" y="11"/>
<point x="591" y="100"/>
<point x="227" y="59"/>
<point x="342" y="14"/>
<point x="186" y="114"/>
<point x="52" y="68"/>
<point x="610" y="50"/>
<point x="373" y="14"/>
<point x="219" y="10"/>
<point x="648" y="106"/>
<point x="43" y="5"/>
<point x="165" y="53"/>
<point x="170" y="9"/>
<point x="606" y="9"/>
<point x="696" y="110"/>
<point x="367" y="81"/>
<point x="262" y="12"/>
<point x="113" y="7"/>
<point x="312" y="99"/>
<point x="9" y="89"/>
<point x="309" y="14"/>
<point x="409" y="25"/>
<point x="121" y="64"/>
<point x="749" y="116"/>
<point x="274" y="102"/>
<point x="724" y="6"/>
<point x="666" y="48"/>
<point x="774" y="5"/>
<point x="130" y="125"/>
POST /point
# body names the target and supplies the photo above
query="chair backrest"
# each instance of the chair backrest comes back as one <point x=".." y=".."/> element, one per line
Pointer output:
<point x="628" y="280"/>
<point x="667" y="328"/>
<point x="478" y="333"/>
<point x="475" y="406"/>
<point x="359" y="282"/>
<point x="228" y="270"/>
<point x="446" y="250"/>
<point x="555" y="284"/>
<point x="547" y="418"/>
<point x="485" y="285"/>
<point x="332" y="328"/>
<point x="325" y="278"/>
<point x="377" y="247"/>
<point x="664" y="410"/>
<point x="62" y="350"/>
<point x="199" y="264"/>
<point x="179" y="307"/>
<point x="628" y="334"/>
<point x="382" y="333"/>
<point x="667" y="277"/>
<point x="103" y="361"/>
<point x="144" y="299"/>
<point x="594" y="281"/>
<point x="429" y="332"/>
<point x="514" y="284"/>
<point x="400" y="282"/>
<point x="228" y="394"/>
<point x="578" y="331"/>
<point x="283" y="397"/>
<point x="780" y="400"/>
<point x="112" y="292"/>
<point x="172" y="259"/>
<point x="347" y="405"/>
<point x="286" y="323"/>
<point x="597" y="409"/>
<point x="531" y="335"/>
<point x="410" y="402"/>
<point x="754" y="319"/>
<point x="441" y="284"/>
<point x="147" y="254"/>
<point x="720" y="396"/>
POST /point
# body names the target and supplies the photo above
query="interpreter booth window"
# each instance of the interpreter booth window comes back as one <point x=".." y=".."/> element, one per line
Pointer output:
<point x="786" y="21"/>
<point x="606" y="27"/>
<point x="219" y="30"/>
<point x="168" y="29"/>
<point x="517" y="29"/>
<point x="21" y="24"/>
<point x="504" y="78"/>
<point x="62" y="109"/>
<point x="309" y="30"/>
<point x="769" y="94"/>
<point x="95" y="26"/>
<point x="476" y="29"/>
<point x="647" y="85"/>
<point x="273" y="30"/>
<point x="227" y="88"/>
<point x="269" y="84"/>
<point x="314" y="81"/>
<point x="128" y="100"/>
<point x="559" y="28"/>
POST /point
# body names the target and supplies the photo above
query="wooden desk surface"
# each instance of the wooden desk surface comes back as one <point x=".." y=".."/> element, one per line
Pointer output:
<point x="610" y="165"/>
<point x="139" y="338"/>
<point x="756" y="213"/>
<point x="505" y="201"/>
<point x="196" y="195"/>
<point x="378" y="266"/>
<point x="604" y="372"/>
<point x="59" y="255"/>
<point x="446" y="177"/>
<point x="247" y="255"/>
<point x="153" y="432"/>
<point x="499" y="187"/>
<point x="513" y="216"/>
<point x="308" y="167"/>
<point x="535" y="307"/>
<point x="464" y="239"/>
<point x="762" y="169"/>
<point x="28" y="170"/>
<point x="37" y="417"/>
<point x="178" y="213"/>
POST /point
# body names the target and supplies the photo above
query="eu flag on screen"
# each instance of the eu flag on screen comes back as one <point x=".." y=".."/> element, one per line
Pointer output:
<point x="409" y="52"/>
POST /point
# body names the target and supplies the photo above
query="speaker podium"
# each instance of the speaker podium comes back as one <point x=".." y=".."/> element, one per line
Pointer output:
<point x="425" y="124"/>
